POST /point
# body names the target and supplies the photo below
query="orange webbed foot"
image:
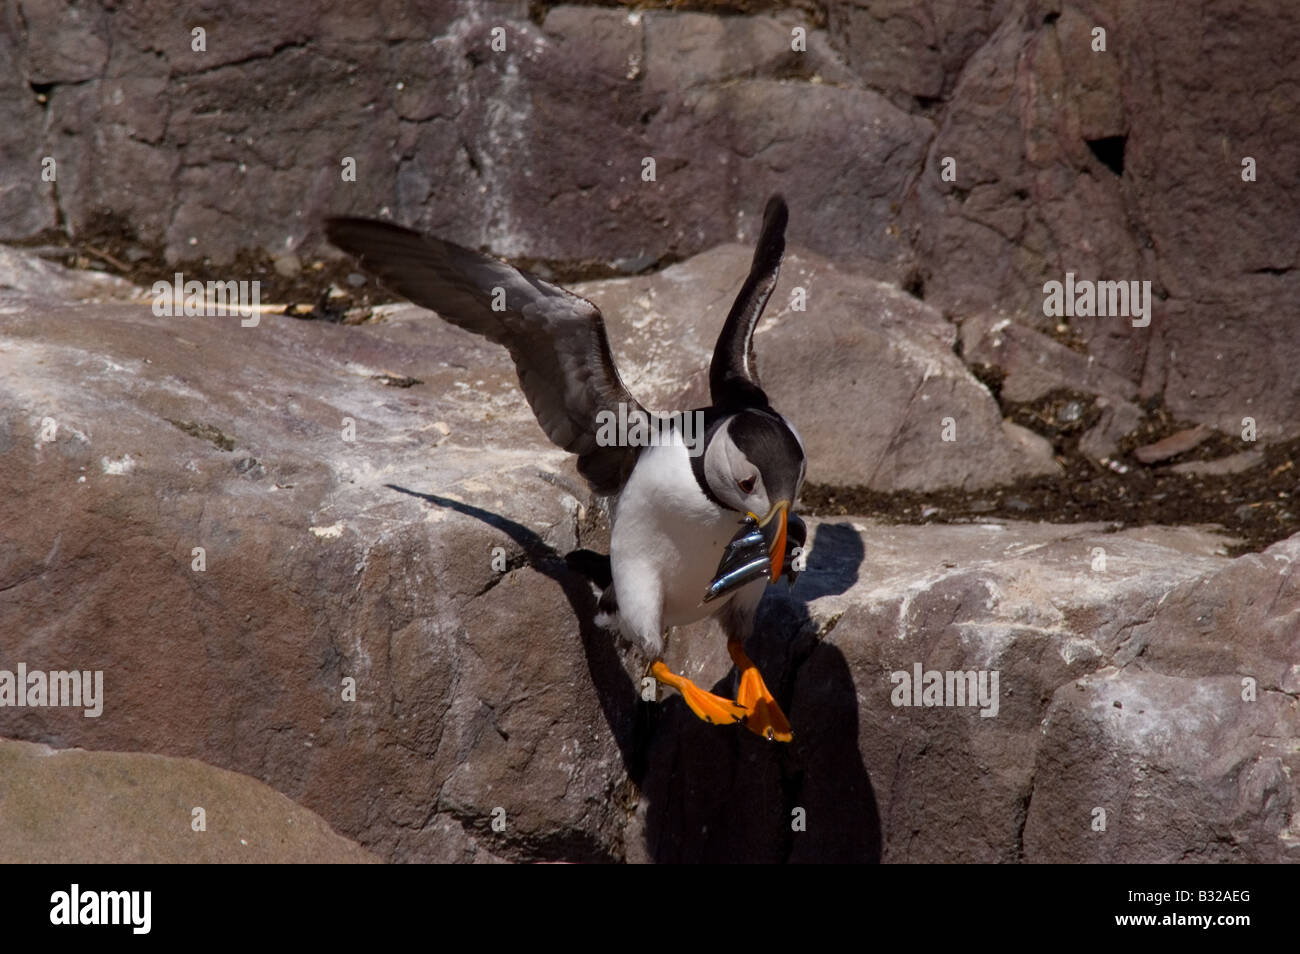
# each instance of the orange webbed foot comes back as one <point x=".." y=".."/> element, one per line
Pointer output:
<point x="765" y="717"/>
<point x="706" y="705"/>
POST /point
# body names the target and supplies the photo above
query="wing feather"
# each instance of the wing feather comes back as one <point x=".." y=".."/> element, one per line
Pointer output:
<point x="556" y="338"/>
<point x="733" y="374"/>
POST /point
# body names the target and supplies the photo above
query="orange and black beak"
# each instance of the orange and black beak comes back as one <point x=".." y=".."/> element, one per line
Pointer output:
<point x="774" y="531"/>
<point x="757" y="551"/>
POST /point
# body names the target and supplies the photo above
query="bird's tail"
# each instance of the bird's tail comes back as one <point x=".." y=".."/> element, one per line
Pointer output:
<point x="596" y="568"/>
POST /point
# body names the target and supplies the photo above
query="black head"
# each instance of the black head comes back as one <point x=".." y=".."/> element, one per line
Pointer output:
<point x="755" y="462"/>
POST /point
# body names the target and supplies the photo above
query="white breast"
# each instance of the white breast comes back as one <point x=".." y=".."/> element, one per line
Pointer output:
<point x="667" y="535"/>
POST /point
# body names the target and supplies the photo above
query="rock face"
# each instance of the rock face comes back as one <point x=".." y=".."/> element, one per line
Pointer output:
<point x="75" y="807"/>
<point x="1160" y="150"/>
<point x="330" y="557"/>
<point x="26" y="278"/>
<point x="1109" y="697"/>
<point x="289" y="568"/>
<point x="244" y="663"/>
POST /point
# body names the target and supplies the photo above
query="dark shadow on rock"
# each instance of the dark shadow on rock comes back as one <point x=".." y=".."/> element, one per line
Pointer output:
<point x="726" y="795"/>
<point x="629" y="718"/>
<point x="722" y="793"/>
<point x="833" y="562"/>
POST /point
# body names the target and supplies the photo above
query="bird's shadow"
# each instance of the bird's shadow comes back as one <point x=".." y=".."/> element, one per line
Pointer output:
<point x="726" y="795"/>
<point x="723" y="794"/>
<point x="627" y="715"/>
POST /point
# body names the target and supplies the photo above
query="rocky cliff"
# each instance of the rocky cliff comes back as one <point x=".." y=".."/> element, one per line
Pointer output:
<point x="327" y="557"/>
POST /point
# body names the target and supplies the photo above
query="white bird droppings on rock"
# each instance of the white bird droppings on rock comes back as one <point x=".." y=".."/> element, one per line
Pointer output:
<point x="117" y="468"/>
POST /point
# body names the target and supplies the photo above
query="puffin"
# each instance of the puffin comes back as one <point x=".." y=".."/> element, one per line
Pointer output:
<point x="700" y="524"/>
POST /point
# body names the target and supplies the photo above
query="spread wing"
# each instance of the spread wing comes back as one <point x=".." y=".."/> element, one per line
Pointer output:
<point x="733" y="375"/>
<point x="557" y="340"/>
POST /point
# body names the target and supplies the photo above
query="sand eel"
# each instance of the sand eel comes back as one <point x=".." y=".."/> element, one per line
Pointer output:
<point x="699" y="526"/>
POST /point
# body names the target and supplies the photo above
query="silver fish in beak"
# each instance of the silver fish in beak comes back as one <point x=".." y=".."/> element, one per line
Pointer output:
<point x="752" y="553"/>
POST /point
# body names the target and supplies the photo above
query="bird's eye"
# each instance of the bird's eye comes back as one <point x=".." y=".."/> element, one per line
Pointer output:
<point x="746" y="485"/>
